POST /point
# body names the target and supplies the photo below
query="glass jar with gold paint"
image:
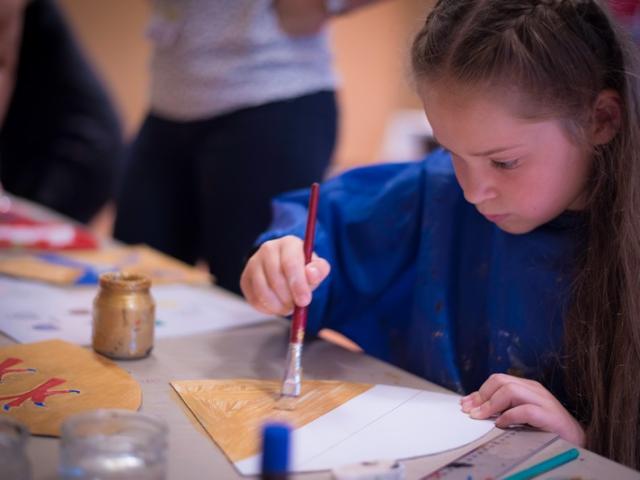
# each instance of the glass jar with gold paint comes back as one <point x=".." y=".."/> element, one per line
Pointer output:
<point x="123" y="316"/>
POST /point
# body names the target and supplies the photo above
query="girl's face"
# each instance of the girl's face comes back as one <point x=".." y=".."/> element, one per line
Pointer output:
<point x="518" y="173"/>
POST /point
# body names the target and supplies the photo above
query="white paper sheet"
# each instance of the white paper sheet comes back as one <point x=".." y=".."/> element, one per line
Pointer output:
<point x="31" y="312"/>
<point x="382" y="423"/>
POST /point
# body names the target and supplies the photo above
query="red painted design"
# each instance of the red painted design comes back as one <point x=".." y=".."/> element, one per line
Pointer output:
<point x="37" y="394"/>
<point x="10" y="362"/>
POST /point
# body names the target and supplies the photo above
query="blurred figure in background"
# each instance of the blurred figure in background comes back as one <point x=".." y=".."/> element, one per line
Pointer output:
<point x="60" y="141"/>
<point x="11" y="13"/>
<point x="242" y="108"/>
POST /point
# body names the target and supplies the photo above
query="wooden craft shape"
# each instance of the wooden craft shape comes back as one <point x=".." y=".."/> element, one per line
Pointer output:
<point x="144" y="260"/>
<point x="234" y="411"/>
<point x="42" y="383"/>
<point x="27" y="266"/>
<point x="138" y="259"/>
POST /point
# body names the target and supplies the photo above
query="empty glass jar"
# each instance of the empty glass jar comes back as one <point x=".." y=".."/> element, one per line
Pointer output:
<point x="14" y="463"/>
<point x="113" y="445"/>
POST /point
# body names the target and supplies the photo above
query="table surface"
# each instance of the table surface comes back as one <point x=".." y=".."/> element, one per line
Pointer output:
<point x="259" y="351"/>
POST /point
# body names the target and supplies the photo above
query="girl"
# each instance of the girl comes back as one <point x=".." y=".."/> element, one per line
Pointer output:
<point x="519" y="282"/>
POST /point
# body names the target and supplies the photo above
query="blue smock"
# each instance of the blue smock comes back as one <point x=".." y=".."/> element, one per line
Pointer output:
<point x="420" y="279"/>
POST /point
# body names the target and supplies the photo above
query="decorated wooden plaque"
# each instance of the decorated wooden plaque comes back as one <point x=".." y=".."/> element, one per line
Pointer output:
<point x="234" y="411"/>
<point x="42" y="383"/>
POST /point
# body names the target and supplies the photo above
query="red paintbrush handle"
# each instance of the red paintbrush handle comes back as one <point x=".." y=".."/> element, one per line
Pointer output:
<point x="310" y="232"/>
<point x="298" y="324"/>
<point x="299" y="320"/>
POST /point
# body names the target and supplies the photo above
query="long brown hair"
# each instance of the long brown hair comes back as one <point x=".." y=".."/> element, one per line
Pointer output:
<point x="560" y="54"/>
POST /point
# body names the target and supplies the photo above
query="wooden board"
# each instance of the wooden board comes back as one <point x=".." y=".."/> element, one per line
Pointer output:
<point x="27" y="266"/>
<point x="138" y="259"/>
<point x="144" y="260"/>
<point x="42" y="383"/>
<point x="234" y="411"/>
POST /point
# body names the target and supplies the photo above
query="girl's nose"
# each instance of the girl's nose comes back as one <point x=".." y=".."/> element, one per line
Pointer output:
<point x="478" y="188"/>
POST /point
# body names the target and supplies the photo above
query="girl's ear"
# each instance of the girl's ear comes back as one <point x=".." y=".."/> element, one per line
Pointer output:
<point x="606" y="117"/>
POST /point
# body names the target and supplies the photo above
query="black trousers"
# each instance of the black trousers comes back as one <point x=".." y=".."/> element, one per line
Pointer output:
<point x="60" y="144"/>
<point x="202" y="189"/>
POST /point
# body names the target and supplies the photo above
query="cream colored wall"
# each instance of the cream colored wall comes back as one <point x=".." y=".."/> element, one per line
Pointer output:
<point x="111" y="31"/>
<point x="371" y="48"/>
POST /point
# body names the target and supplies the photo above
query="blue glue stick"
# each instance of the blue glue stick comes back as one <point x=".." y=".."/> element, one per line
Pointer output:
<point x="275" y="451"/>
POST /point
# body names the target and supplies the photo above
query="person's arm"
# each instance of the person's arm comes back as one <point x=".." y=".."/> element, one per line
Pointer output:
<point x="367" y="235"/>
<point x="306" y="17"/>
<point x="11" y="15"/>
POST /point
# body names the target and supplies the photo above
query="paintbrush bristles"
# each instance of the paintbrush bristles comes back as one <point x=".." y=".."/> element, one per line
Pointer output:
<point x="293" y="372"/>
<point x="291" y="385"/>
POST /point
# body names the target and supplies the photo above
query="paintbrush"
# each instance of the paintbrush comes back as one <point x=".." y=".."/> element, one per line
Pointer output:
<point x="293" y="370"/>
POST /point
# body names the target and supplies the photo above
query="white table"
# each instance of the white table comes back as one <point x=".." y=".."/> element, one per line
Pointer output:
<point x="259" y="352"/>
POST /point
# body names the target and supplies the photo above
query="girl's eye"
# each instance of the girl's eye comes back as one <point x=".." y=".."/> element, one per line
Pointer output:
<point x="511" y="164"/>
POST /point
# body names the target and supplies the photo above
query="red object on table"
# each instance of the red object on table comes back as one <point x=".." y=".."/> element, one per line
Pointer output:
<point x="18" y="230"/>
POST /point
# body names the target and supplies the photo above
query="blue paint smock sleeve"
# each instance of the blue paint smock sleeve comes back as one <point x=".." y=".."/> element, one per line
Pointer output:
<point x="421" y="280"/>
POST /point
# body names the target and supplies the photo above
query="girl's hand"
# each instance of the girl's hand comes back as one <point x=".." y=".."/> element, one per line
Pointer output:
<point x="276" y="278"/>
<point x="518" y="401"/>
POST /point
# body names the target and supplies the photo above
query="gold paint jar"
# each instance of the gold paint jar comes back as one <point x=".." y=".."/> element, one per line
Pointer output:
<point x="123" y="316"/>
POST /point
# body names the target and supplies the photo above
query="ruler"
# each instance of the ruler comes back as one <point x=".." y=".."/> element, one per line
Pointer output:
<point x="496" y="457"/>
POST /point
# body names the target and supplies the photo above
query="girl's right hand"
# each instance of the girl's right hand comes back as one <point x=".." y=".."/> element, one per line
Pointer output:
<point x="276" y="278"/>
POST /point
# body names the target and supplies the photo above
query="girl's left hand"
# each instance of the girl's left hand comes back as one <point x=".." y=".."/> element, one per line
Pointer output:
<point x="519" y="401"/>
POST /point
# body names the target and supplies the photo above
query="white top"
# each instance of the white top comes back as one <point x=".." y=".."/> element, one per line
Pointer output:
<point x="216" y="56"/>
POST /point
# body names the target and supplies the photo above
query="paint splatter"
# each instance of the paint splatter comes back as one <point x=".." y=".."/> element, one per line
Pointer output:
<point x="5" y="367"/>
<point x="45" y="326"/>
<point x="37" y="395"/>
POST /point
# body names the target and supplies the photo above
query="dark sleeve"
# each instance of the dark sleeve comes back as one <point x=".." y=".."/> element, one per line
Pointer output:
<point x="61" y="142"/>
<point x="368" y="229"/>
